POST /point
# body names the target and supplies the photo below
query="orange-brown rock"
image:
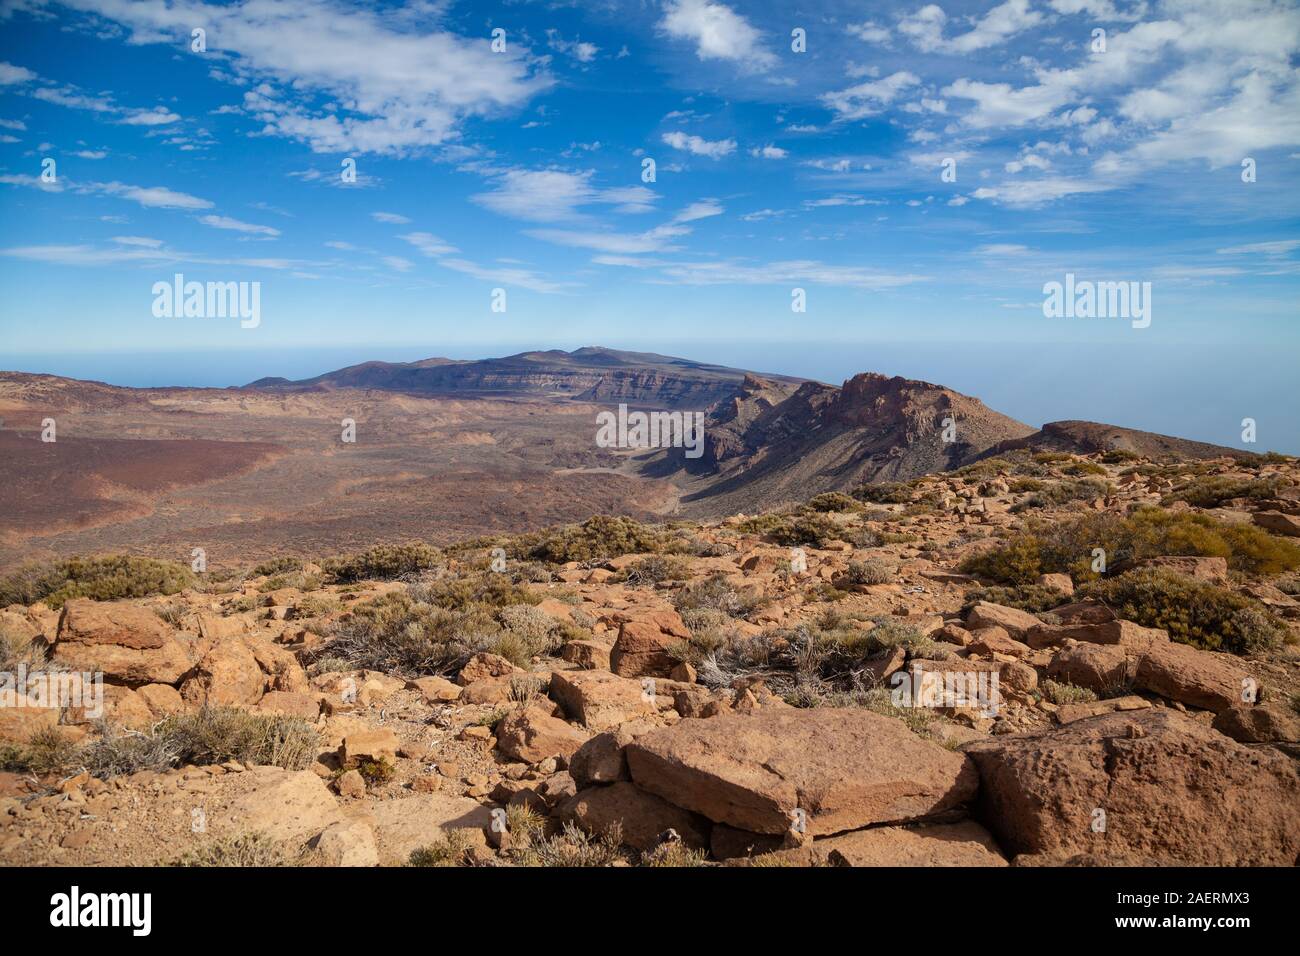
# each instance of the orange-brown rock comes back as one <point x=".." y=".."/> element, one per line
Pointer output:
<point x="839" y="768"/>
<point x="641" y="818"/>
<point x="600" y="700"/>
<point x="1152" y="783"/>
<point x="643" y="647"/>
<point x="531" y="734"/>
<point x="128" y="643"/>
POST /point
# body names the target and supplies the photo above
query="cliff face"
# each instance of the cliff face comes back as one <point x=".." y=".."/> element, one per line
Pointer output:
<point x="603" y="376"/>
<point x="772" y="443"/>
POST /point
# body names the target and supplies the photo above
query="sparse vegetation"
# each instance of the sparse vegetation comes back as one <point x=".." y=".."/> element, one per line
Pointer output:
<point x="1060" y="692"/>
<point x="206" y="736"/>
<point x="719" y="594"/>
<point x="869" y="571"/>
<point x="449" y="849"/>
<point x="382" y="563"/>
<point x="242" y="849"/>
<point x="102" y="579"/>
<point x="1067" y="546"/>
<point x="599" y="538"/>
<point x="1193" y="612"/>
<point x="1210" y="491"/>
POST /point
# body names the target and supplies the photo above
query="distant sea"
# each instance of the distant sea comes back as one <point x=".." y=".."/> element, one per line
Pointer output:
<point x="1199" y="392"/>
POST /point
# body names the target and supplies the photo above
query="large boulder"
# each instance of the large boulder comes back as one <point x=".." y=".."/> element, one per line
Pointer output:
<point x="127" y="643"/>
<point x="1118" y="633"/>
<point x="1197" y="678"/>
<point x="1266" y="723"/>
<point x="951" y="844"/>
<point x="1015" y="622"/>
<point x="532" y="734"/>
<point x="645" y="642"/>
<point x="641" y="818"/>
<point x="1150" y="783"/>
<point x="827" y="769"/>
<point x="600" y="700"/>
<point x="602" y="759"/>
<point x="238" y="671"/>
<point x="1100" y="667"/>
<point x="286" y="805"/>
<point x="1279" y="523"/>
<point x="408" y="823"/>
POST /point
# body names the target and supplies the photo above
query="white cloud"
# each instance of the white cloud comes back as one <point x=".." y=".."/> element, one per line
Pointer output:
<point x="393" y="84"/>
<point x="869" y="32"/>
<point x="235" y="225"/>
<point x="158" y="197"/>
<point x="11" y="74"/>
<point x="90" y="153"/>
<point x="1033" y="192"/>
<point x="718" y="32"/>
<point x="769" y="273"/>
<point x="508" y="276"/>
<point x="1279" y="247"/>
<point x="998" y="249"/>
<point x="389" y="217"/>
<point x="553" y="195"/>
<point x="154" y="117"/>
<point x="580" y="51"/>
<point x="925" y="27"/>
<point x="769" y="152"/>
<point x="429" y="244"/>
<point x="713" y="149"/>
<point x="397" y="263"/>
<point x="869" y="98"/>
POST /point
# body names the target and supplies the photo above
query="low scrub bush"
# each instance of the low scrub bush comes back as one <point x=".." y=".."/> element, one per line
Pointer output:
<point x="717" y="593"/>
<point x="599" y="538"/>
<point x="102" y="579"/>
<point x="833" y="501"/>
<point x="1193" y="612"/>
<point x="242" y="849"/>
<point x="383" y="562"/>
<point x="1067" y="546"/>
<point x="869" y="571"/>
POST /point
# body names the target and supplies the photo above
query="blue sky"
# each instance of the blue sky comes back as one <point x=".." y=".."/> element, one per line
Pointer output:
<point x="775" y="169"/>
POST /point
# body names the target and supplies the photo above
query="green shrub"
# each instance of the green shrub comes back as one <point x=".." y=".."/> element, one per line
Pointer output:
<point x="599" y="538"/>
<point x="282" y="565"/>
<point x="656" y="569"/>
<point x="1066" y="546"/>
<point x="1210" y="491"/>
<point x="382" y="562"/>
<point x="1059" y="692"/>
<point x="1034" y="598"/>
<point x="103" y="579"/>
<point x="448" y="850"/>
<point x="885" y="493"/>
<point x="869" y="571"/>
<point x="717" y="593"/>
<point x="395" y="633"/>
<point x="833" y="501"/>
<point x="1193" y="612"/>
<point x="812" y="528"/>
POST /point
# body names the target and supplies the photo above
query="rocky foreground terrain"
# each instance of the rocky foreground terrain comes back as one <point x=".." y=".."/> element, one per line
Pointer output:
<point x="697" y="694"/>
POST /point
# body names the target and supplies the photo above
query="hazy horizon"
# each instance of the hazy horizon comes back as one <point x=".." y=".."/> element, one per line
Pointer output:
<point x="1139" y="390"/>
